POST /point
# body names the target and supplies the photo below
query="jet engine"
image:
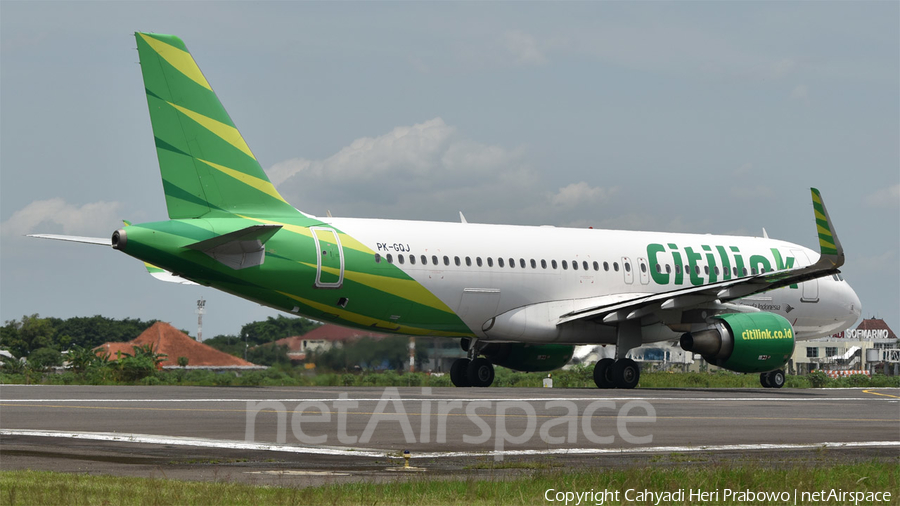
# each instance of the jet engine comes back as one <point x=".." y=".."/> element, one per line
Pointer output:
<point x="744" y="342"/>
<point x="528" y="357"/>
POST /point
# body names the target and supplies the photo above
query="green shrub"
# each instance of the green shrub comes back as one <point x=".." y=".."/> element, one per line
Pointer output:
<point x="817" y="379"/>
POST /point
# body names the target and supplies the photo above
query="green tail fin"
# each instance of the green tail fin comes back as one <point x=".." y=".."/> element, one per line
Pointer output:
<point x="829" y="246"/>
<point x="207" y="168"/>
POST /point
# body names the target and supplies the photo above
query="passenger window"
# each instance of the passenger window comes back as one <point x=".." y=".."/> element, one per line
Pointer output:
<point x="412" y="259"/>
<point x="753" y="270"/>
<point x="377" y="258"/>
<point x="400" y="258"/>
<point x="456" y="260"/>
<point x="543" y="264"/>
<point x="658" y="268"/>
<point x="478" y="261"/>
<point x="627" y="266"/>
<point x="584" y="264"/>
<point x="533" y="264"/>
<point x="574" y="265"/>
<point x="490" y="262"/>
<point x="425" y="260"/>
<point x="500" y="262"/>
<point x="596" y="266"/>
<point x="644" y="267"/>
<point x="606" y="266"/>
<point x="616" y="266"/>
<point x="687" y="269"/>
<point x="734" y="270"/>
<point x="512" y="263"/>
<point x="434" y="259"/>
<point x="717" y="270"/>
<point x="468" y="262"/>
<point x="446" y="260"/>
<point x="553" y="263"/>
<point x="565" y="265"/>
<point x="668" y="269"/>
<point x="745" y="271"/>
<point x="697" y="269"/>
<point x="390" y="258"/>
<point x="706" y="269"/>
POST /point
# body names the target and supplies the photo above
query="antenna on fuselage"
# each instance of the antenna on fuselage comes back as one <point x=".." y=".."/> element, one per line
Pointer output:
<point x="462" y="219"/>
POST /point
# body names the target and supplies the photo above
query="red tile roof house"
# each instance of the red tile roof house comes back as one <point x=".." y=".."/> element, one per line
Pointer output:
<point x="321" y="339"/>
<point x="168" y="340"/>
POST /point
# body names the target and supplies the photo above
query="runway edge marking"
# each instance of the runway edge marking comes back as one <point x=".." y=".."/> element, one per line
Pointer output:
<point x="374" y="453"/>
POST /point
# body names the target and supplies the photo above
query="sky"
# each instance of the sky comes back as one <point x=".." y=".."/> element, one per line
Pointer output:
<point x="702" y="117"/>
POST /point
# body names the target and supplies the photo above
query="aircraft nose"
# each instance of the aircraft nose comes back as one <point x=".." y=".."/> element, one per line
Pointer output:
<point x="851" y="301"/>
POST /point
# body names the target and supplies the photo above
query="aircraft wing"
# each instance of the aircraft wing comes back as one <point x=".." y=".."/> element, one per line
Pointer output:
<point x="830" y="259"/>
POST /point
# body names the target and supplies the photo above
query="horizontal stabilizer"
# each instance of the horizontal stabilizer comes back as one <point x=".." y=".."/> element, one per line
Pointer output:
<point x="239" y="249"/>
<point x="75" y="238"/>
<point x="164" y="275"/>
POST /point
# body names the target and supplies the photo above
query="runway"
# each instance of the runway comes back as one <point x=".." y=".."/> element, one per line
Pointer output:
<point x="330" y="433"/>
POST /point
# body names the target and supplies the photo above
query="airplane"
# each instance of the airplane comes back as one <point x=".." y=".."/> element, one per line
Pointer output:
<point x="520" y="297"/>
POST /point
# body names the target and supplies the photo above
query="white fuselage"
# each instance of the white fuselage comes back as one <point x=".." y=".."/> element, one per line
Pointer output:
<point x="477" y="270"/>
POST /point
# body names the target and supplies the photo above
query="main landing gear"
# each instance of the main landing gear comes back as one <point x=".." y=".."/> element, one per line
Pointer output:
<point x="772" y="379"/>
<point x="622" y="373"/>
<point x="472" y="371"/>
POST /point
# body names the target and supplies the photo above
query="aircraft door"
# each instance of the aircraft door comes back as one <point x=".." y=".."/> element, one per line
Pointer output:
<point x="644" y="271"/>
<point x="810" y="288"/>
<point x="329" y="258"/>
<point x="628" y="270"/>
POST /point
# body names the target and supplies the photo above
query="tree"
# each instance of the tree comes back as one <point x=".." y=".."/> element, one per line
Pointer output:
<point x="33" y="332"/>
<point x="143" y="363"/>
<point x="44" y="358"/>
<point x="273" y="329"/>
<point x="269" y="355"/>
<point x="388" y="353"/>
<point x="228" y="344"/>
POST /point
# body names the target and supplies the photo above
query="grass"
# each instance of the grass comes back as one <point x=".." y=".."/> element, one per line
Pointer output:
<point x="42" y="487"/>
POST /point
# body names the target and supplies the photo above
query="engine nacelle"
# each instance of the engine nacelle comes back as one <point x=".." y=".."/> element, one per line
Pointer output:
<point x="744" y="342"/>
<point x="528" y="357"/>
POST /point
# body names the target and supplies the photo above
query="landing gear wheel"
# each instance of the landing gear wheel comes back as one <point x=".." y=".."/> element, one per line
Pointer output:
<point x="776" y="378"/>
<point x="603" y="373"/>
<point x="764" y="380"/>
<point x="480" y="372"/>
<point x="458" y="372"/>
<point x="626" y="373"/>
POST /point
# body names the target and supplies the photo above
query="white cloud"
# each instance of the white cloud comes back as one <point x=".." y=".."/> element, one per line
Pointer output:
<point x="431" y="171"/>
<point x="886" y="197"/>
<point x="783" y="67"/>
<point x="524" y="48"/>
<point x="755" y="193"/>
<point x="743" y="170"/>
<point x="800" y="92"/>
<point x="578" y="193"/>
<point x="59" y="216"/>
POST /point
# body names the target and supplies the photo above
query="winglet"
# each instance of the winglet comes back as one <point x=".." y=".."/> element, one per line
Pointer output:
<point x="829" y="245"/>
